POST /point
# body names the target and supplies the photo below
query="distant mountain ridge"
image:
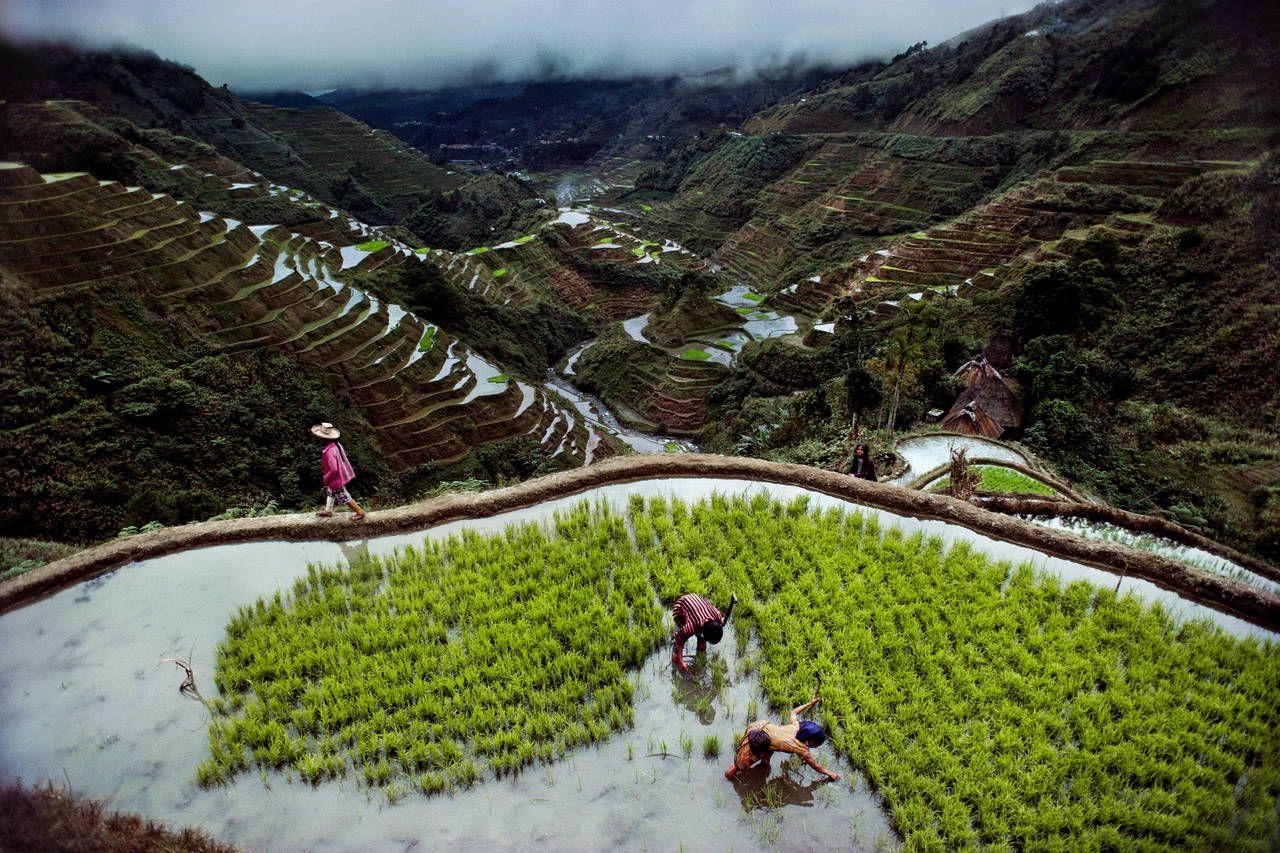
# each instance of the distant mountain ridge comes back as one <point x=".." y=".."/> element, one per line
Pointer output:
<point x="560" y="123"/>
<point x="321" y="151"/>
<point x="1089" y="64"/>
<point x="1112" y="222"/>
<point x="1114" y="159"/>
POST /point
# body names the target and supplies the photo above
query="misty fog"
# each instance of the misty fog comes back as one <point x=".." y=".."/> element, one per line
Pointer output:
<point x="318" y="44"/>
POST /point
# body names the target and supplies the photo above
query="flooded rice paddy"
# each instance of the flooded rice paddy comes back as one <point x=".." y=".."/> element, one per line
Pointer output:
<point x="926" y="452"/>
<point x="85" y="701"/>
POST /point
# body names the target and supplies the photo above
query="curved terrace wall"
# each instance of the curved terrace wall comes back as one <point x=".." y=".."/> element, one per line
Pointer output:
<point x="1228" y="596"/>
<point x="1027" y="471"/>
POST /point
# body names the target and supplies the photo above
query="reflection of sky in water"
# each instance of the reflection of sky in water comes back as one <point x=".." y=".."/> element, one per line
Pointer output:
<point x="737" y="297"/>
<point x="732" y="340"/>
<point x="593" y="410"/>
<point x="635" y="328"/>
<point x="766" y="324"/>
<point x="927" y="452"/>
<point x="1099" y="530"/>
<point x="83" y="698"/>
<point x="572" y="218"/>
<point x="484" y="371"/>
<point x="574" y="355"/>
<point x="759" y="324"/>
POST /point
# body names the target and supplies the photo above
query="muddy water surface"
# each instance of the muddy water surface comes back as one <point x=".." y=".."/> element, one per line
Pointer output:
<point x="85" y="700"/>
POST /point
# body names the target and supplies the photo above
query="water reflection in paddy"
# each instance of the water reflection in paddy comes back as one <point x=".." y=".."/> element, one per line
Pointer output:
<point x="82" y="698"/>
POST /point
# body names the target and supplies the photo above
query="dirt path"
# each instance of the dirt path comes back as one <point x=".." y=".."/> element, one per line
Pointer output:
<point x="1238" y="599"/>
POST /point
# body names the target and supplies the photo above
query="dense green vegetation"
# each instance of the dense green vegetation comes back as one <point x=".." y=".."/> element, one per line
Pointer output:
<point x="421" y="668"/>
<point x="125" y="419"/>
<point x="987" y="705"/>
<point x="1149" y="366"/>
<point x="23" y="555"/>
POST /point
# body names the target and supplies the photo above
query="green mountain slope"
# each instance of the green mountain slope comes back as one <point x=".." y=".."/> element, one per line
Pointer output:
<point x="329" y="155"/>
<point x="1092" y="182"/>
<point x="1088" y="190"/>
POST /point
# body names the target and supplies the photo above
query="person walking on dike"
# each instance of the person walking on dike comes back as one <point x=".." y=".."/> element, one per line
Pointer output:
<point x="861" y="465"/>
<point x="337" y="472"/>
<point x="696" y="616"/>
<point x="762" y="739"/>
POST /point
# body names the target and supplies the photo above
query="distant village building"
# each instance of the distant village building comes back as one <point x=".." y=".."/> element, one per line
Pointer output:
<point x="988" y="406"/>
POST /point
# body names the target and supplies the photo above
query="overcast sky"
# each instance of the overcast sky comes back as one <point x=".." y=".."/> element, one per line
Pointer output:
<point x="319" y="44"/>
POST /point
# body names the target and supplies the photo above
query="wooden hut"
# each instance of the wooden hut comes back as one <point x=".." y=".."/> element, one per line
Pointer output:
<point x="988" y="405"/>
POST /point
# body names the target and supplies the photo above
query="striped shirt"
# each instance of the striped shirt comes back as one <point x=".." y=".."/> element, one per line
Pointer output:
<point x="690" y="612"/>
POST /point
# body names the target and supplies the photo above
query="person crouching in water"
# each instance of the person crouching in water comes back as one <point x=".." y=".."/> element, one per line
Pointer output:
<point x="337" y="472"/>
<point x="762" y="739"/>
<point x="696" y="616"/>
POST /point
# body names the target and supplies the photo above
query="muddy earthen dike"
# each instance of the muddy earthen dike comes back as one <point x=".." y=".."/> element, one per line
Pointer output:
<point x="1229" y="596"/>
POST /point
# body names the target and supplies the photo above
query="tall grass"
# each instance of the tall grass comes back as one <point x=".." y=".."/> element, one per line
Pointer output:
<point x="988" y="706"/>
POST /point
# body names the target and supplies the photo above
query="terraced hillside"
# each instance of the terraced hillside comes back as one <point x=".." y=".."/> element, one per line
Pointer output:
<point x="1091" y="183"/>
<point x="336" y="159"/>
<point x="833" y="213"/>
<point x="215" y="287"/>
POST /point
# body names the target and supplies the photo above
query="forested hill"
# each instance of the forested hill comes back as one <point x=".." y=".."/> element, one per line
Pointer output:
<point x="1088" y="64"/>
<point x="322" y="151"/>
<point x="1093" y="182"/>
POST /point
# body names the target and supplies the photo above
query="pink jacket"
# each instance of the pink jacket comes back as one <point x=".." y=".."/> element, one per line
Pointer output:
<point x="337" y="467"/>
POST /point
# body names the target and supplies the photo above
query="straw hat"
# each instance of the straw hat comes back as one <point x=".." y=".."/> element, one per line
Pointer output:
<point x="325" y="430"/>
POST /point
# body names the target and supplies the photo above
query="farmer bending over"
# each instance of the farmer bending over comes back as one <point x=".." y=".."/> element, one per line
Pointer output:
<point x="695" y="616"/>
<point x="762" y="739"/>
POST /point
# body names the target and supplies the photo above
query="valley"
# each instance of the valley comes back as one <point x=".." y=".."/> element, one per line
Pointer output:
<point x="595" y="342"/>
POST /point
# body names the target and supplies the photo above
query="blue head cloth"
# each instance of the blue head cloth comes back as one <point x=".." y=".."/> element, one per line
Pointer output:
<point x="811" y="734"/>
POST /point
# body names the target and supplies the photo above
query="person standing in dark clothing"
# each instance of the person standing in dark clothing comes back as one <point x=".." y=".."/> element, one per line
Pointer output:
<point x="861" y="465"/>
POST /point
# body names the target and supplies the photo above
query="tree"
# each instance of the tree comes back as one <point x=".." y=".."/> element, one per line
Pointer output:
<point x="863" y="392"/>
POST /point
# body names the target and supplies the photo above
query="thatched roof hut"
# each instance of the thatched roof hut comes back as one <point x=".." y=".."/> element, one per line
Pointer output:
<point x="988" y="405"/>
<point x="970" y="420"/>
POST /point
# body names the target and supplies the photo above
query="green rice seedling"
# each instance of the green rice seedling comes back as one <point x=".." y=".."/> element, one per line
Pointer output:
<point x="711" y="746"/>
<point x="989" y="705"/>
<point x="210" y="773"/>
<point x="686" y="744"/>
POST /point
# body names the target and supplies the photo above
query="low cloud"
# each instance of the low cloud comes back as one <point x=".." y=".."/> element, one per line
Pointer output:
<point x="319" y="44"/>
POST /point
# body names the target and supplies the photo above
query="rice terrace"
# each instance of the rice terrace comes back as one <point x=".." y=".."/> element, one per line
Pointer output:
<point x="973" y="700"/>
<point x="548" y="425"/>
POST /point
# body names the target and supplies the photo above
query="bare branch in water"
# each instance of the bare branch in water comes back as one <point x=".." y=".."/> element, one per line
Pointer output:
<point x="188" y="686"/>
